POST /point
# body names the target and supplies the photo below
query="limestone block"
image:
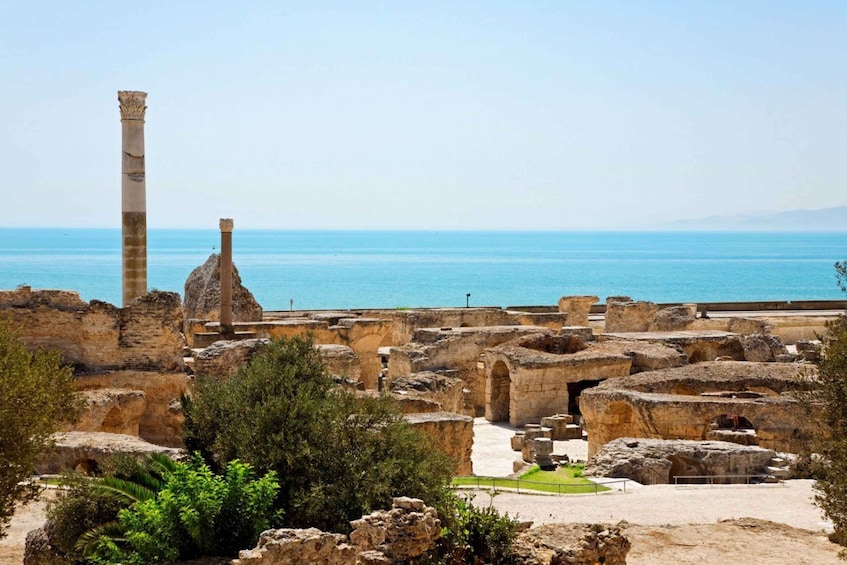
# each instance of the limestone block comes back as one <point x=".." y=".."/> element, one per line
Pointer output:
<point x="224" y="358"/>
<point x="808" y="350"/>
<point x="585" y="334"/>
<point x="674" y="318"/>
<point x="428" y="392"/>
<point x="203" y="294"/>
<point x="341" y="361"/>
<point x="577" y="308"/>
<point x="517" y="441"/>
<point x="558" y="425"/>
<point x="452" y="434"/>
<point x="632" y="316"/>
<point x="543" y="446"/>
<point x="573" y="431"/>
<point x="399" y="535"/>
<point x="756" y="349"/>
<point x="407" y="531"/>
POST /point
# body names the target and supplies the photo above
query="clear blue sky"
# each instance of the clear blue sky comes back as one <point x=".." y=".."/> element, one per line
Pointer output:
<point x="433" y="115"/>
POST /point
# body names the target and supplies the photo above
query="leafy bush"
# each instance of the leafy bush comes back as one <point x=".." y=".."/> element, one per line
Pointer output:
<point x="196" y="513"/>
<point x="471" y="534"/>
<point x="337" y="455"/>
<point x="36" y="396"/>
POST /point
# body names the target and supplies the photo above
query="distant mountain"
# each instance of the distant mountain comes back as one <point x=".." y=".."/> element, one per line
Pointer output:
<point x="824" y="219"/>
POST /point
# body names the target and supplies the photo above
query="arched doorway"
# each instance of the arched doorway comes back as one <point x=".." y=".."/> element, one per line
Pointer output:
<point x="499" y="393"/>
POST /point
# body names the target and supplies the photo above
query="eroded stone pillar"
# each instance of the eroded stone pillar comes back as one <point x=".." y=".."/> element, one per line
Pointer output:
<point x="133" y="195"/>
<point x="226" y="275"/>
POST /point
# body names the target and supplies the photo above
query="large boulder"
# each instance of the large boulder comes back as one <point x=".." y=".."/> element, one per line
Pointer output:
<point x="203" y="294"/>
<point x="658" y="461"/>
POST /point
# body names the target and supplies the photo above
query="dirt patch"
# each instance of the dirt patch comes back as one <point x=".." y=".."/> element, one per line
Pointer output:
<point x="743" y="540"/>
<point x="26" y="518"/>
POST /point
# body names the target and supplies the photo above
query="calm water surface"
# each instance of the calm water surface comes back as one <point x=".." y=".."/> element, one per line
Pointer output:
<point x="388" y="269"/>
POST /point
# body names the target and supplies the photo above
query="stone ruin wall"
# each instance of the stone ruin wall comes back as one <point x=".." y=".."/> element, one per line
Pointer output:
<point x="451" y="434"/>
<point x="128" y="361"/>
<point x="682" y="403"/>
<point x="97" y="336"/>
<point x="457" y="350"/>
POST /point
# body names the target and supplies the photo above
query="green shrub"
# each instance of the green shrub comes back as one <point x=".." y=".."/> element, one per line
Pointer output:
<point x="471" y="534"/>
<point x="87" y="507"/>
<point x="196" y="513"/>
<point x="36" y="396"/>
<point x="337" y="455"/>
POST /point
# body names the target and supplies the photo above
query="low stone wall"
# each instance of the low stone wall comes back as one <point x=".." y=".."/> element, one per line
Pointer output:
<point x="406" y="322"/>
<point x="146" y="335"/>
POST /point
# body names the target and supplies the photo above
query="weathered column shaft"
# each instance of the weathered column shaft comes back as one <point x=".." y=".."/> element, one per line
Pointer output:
<point x="226" y="275"/>
<point x="133" y="195"/>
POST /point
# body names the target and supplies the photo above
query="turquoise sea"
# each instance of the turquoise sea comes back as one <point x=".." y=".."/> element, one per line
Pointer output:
<point x="390" y="269"/>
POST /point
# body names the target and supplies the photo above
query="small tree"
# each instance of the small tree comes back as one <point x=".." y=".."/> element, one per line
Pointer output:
<point x="36" y="396"/>
<point x="336" y="455"/>
<point x="827" y="403"/>
<point x="831" y="445"/>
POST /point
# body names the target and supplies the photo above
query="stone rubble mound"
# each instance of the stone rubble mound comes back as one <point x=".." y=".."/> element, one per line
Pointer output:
<point x="406" y="531"/>
<point x="573" y="544"/>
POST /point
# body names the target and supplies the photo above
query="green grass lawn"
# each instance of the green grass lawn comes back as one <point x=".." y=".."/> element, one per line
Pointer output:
<point x="564" y="480"/>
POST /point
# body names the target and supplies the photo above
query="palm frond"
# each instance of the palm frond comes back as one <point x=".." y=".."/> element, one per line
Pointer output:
<point x="127" y="492"/>
<point x="87" y="542"/>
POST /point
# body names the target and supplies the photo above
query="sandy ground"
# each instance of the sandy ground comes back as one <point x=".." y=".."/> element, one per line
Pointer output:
<point x="26" y="518"/>
<point x="666" y="524"/>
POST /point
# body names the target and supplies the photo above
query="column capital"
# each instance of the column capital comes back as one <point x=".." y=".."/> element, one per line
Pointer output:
<point x="227" y="224"/>
<point x="132" y="104"/>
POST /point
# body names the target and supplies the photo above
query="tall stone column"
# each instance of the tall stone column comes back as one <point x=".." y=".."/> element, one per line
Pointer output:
<point x="226" y="276"/>
<point x="133" y="195"/>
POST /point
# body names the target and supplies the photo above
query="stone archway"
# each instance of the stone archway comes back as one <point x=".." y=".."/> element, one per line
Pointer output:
<point x="499" y="393"/>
